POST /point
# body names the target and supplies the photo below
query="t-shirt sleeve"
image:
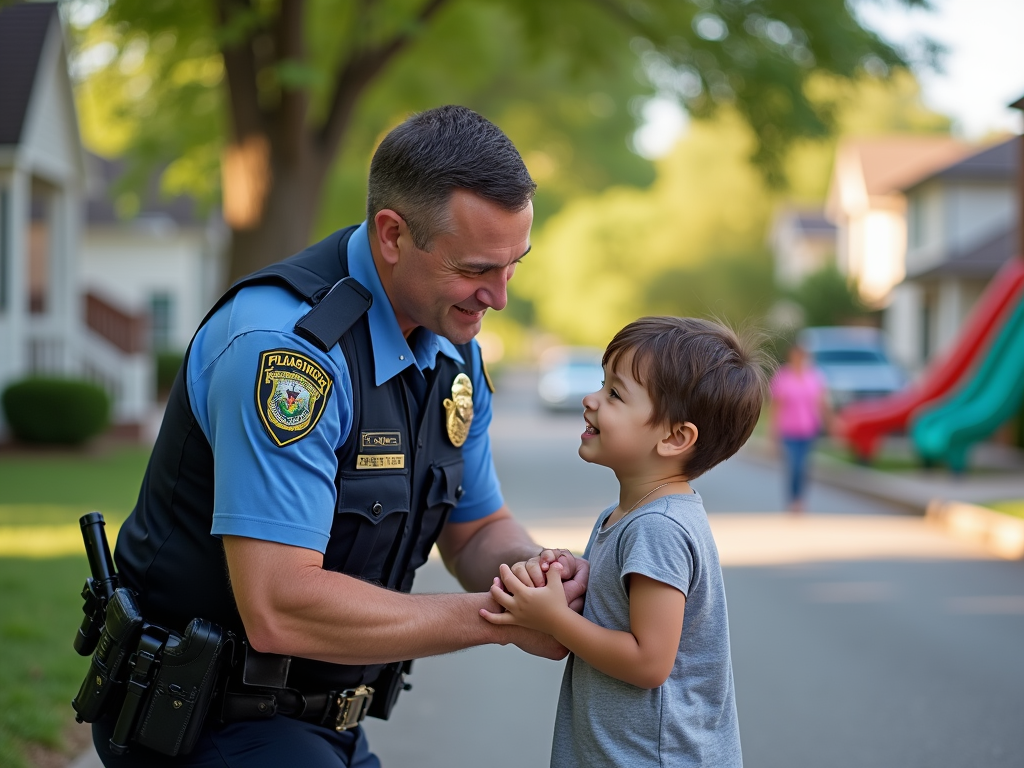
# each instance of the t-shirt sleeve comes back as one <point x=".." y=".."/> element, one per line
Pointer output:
<point x="480" y="479"/>
<point x="274" y="470"/>
<point x="658" y="547"/>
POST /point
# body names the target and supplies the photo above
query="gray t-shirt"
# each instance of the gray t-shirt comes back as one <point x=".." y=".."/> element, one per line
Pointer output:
<point x="691" y="719"/>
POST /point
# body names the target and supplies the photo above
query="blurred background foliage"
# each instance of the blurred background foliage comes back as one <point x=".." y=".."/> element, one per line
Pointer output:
<point x="770" y="86"/>
<point x="694" y="241"/>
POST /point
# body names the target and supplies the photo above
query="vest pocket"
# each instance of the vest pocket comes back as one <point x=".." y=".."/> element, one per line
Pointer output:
<point x="446" y="484"/>
<point x="374" y="496"/>
<point x="443" y="494"/>
<point x="370" y="522"/>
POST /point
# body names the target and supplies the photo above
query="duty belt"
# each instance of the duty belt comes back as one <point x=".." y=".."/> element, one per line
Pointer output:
<point x="339" y="710"/>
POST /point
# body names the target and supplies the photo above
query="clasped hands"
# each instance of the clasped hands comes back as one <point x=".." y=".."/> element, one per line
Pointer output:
<point x="531" y="593"/>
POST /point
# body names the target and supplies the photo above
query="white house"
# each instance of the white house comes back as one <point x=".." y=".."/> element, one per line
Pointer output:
<point x="962" y="224"/>
<point x="47" y="325"/>
<point x="803" y="241"/>
<point x="866" y="203"/>
<point x="167" y="262"/>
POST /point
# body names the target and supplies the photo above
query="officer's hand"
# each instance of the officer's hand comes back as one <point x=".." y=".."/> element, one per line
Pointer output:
<point x="529" y="640"/>
<point x="575" y="582"/>
<point x="538" y="644"/>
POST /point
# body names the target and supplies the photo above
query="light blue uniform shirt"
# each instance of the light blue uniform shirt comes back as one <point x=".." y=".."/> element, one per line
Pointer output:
<point x="287" y="494"/>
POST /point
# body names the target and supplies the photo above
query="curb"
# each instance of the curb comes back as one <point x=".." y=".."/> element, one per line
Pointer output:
<point x="1001" y="534"/>
<point x="861" y="480"/>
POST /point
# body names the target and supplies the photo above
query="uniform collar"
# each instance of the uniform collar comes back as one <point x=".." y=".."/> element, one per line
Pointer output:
<point x="391" y="352"/>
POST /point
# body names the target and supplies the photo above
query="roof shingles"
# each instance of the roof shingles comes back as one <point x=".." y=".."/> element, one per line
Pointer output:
<point x="22" y="33"/>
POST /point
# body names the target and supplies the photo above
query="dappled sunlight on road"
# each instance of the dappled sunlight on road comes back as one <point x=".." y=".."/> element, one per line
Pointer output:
<point x="783" y="539"/>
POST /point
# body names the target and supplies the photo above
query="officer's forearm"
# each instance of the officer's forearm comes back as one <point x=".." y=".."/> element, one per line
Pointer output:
<point x="290" y="605"/>
<point x="473" y="553"/>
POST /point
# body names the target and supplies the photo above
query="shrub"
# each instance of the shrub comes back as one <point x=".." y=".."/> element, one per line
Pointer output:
<point x="828" y="297"/>
<point x="168" y="364"/>
<point x="52" y="410"/>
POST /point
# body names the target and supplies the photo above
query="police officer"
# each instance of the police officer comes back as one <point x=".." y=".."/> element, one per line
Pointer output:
<point x="328" y="427"/>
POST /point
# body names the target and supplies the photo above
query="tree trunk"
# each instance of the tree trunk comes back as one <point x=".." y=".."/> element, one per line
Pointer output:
<point x="275" y="168"/>
<point x="286" y="224"/>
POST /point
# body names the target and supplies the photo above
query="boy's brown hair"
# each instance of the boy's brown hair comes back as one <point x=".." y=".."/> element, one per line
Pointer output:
<point x="698" y="371"/>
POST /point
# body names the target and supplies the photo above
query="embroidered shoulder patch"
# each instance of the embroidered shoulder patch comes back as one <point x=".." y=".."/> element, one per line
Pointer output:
<point x="291" y="393"/>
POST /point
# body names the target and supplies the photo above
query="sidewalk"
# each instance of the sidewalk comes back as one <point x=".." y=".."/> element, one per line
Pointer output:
<point x="998" y="475"/>
<point x="950" y="502"/>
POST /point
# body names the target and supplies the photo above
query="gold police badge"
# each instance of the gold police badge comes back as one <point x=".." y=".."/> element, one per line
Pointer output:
<point x="291" y="392"/>
<point x="459" y="410"/>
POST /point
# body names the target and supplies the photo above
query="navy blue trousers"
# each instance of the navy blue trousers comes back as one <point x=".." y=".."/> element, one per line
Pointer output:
<point x="274" y="743"/>
<point x="798" y="451"/>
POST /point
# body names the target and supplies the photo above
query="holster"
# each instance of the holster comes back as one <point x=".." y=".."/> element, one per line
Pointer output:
<point x="388" y="685"/>
<point x="103" y="687"/>
<point x="183" y="687"/>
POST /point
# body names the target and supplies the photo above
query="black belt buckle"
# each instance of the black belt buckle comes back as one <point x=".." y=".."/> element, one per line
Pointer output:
<point x="349" y="707"/>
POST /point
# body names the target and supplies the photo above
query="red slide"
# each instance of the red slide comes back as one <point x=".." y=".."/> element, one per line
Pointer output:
<point x="862" y="425"/>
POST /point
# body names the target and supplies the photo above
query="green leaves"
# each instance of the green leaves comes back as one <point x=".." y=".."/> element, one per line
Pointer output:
<point x="526" y="58"/>
<point x="827" y="297"/>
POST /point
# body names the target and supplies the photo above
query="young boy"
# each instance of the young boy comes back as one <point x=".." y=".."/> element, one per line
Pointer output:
<point x="642" y="687"/>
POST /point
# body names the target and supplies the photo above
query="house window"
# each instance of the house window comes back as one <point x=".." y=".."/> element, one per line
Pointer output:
<point x="5" y="246"/>
<point x="915" y="233"/>
<point x="161" y="315"/>
<point x="40" y="243"/>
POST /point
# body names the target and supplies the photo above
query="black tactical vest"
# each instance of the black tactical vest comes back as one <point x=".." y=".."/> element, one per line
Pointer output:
<point x="386" y="520"/>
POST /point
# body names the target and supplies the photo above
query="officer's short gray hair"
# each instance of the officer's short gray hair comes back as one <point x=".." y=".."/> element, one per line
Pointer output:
<point x="421" y="162"/>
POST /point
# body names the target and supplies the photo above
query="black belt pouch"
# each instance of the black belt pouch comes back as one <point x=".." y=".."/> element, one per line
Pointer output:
<point x="185" y="683"/>
<point x="108" y="669"/>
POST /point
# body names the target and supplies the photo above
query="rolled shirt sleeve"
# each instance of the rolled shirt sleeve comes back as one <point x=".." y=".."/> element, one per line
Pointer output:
<point x="284" y="494"/>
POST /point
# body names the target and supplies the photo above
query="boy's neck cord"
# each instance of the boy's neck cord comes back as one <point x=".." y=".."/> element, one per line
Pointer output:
<point x="645" y="496"/>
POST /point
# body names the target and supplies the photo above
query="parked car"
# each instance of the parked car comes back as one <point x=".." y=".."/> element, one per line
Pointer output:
<point x="854" y="362"/>
<point x="567" y="374"/>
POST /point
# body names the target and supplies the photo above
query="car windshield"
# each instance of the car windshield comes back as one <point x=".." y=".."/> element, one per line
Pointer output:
<point x="849" y="357"/>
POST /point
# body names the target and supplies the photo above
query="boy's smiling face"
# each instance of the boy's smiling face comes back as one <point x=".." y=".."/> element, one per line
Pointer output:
<point x="618" y="434"/>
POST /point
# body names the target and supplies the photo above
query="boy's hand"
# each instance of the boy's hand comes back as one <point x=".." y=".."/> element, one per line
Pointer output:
<point x="574" y="571"/>
<point x="535" y="643"/>
<point x="525" y="605"/>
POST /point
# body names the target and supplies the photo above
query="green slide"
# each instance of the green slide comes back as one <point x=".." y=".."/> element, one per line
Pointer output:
<point x="947" y="431"/>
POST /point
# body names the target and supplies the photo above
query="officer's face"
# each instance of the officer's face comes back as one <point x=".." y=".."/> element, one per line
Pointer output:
<point x="449" y="288"/>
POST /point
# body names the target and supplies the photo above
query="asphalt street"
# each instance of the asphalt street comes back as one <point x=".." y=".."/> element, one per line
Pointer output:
<point x="861" y="636"/>
<point x="843" y="660"/>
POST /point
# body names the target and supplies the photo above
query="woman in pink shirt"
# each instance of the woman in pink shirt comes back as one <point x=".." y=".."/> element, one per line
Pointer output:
<point x="799" y="410"/>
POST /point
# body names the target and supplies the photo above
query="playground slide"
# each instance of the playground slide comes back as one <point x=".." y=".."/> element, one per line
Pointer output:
<point x="946" y="431"/>
<point x="862" y="425"/>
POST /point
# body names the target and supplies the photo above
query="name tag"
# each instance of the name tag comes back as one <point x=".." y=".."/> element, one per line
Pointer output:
<point x="380" y="461"/>
<point x="380" y="440"/>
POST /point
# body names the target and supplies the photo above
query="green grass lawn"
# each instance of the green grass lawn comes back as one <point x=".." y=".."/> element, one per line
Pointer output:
<point x="883" y="461"/>
<point x="890" y="461"/>
<point x="1013" y="507"/>
<point x="42" y="569"/>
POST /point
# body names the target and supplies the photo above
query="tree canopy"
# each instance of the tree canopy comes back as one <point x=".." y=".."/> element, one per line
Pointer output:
<point x="274" y="106"/>
<point x="694" y="241"/>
